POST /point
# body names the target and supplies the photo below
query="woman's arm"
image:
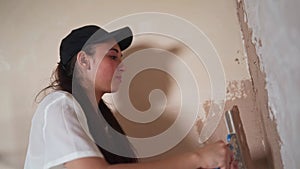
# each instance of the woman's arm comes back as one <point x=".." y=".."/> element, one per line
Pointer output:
<point x="181" y="162"/>
<point x="210" y="156"/>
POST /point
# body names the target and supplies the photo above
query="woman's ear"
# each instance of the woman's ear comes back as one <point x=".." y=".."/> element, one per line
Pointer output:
<point x="83" y="60"/>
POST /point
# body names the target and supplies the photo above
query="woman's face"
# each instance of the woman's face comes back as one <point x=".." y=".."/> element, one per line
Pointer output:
<point x="106" y="66"/>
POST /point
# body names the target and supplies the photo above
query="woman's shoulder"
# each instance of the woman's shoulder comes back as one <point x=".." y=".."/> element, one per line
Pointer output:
<point x="56" y="100"/>
<point x="56" y="104"/>
<point x="55" y="96"/>
<point x="58" y="94"/>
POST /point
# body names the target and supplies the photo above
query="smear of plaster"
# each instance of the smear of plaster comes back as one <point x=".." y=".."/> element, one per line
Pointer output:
<point x="212" y="120"/>
<point x="261" y="96"/>
<point x="244" y="51"/>
<point x="236" y="90"/>
<point x="245" y="17"/>
<point x="207" y="123"/>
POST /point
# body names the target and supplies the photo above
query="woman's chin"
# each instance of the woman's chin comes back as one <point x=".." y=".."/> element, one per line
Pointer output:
<point x="115" y="85"/>
<point x="114" y="88"/>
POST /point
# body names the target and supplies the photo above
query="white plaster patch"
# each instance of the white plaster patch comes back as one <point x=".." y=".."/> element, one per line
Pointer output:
<point x="236" y="90"/>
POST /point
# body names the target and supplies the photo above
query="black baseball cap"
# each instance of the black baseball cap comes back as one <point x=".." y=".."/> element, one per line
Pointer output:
<point x="91" y="34"/>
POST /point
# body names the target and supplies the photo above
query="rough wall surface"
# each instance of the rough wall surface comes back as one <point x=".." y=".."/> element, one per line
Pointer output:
<point x="274" y="68"/>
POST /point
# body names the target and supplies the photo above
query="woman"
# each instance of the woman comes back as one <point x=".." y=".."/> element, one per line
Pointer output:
<point x="70" y="130"/>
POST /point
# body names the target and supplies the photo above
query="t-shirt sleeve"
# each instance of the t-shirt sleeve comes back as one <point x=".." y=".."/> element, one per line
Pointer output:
<point x="64" y="136"/>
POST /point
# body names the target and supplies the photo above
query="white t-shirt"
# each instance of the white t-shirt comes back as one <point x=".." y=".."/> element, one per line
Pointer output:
<point x="59" y="133"/>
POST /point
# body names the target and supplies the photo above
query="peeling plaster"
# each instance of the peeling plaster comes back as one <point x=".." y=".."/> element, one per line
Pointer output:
<point x="236" y="90"/>
<point x="253" y="45"/>
<point x="276" y="35"/>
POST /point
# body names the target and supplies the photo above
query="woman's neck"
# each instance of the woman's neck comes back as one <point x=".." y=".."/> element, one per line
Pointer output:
<point x="91" y="94"/>
<point x="98" y="96"/>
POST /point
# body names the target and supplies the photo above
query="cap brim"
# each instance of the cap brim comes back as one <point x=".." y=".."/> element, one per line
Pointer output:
<point x="123" y="37"/>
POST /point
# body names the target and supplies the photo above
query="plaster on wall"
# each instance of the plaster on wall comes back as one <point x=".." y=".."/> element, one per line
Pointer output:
<point x="274" y="63"/>
<point x="242" y="94"/>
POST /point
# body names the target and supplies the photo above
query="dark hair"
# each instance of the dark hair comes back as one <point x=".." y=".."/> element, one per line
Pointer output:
<point x="62" y="79"/>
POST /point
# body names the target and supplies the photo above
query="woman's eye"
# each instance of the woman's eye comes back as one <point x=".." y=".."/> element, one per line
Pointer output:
<point x="114" y="57"/>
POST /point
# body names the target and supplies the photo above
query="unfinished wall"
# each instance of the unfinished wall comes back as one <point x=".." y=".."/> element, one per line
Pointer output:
<point x="271" y="32"/>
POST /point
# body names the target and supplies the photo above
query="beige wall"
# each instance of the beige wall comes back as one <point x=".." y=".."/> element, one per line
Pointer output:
<point x="30" y="35"/>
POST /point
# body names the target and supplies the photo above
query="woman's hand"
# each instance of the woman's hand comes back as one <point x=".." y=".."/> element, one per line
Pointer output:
<point x="216" y="155"/>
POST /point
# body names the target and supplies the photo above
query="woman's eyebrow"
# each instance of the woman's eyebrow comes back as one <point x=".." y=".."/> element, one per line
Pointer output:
<point x="114" y="49"/>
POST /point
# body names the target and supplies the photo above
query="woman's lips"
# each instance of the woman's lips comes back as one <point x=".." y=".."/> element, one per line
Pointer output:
<point x="119" y="77"/>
